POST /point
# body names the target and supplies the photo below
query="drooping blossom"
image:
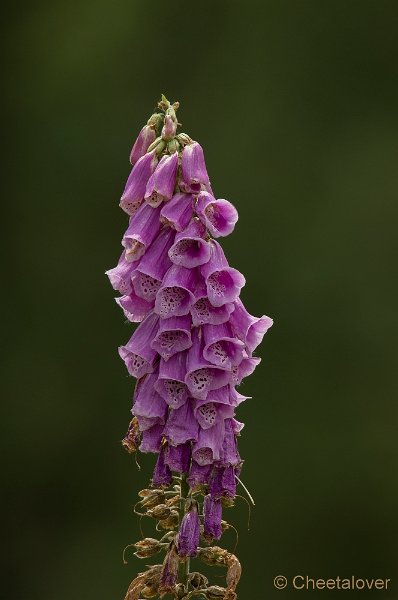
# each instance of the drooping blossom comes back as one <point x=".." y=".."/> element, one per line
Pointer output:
<point x="189" y="532"/>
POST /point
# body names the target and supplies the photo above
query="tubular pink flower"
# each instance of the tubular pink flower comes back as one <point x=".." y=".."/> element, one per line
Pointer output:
<point x="223" y="282"/>
<point x="221" y="347"/>
<point x="247" y="328"/>
<point x="199" y="474"/>
<point x="162" y="473"/>
<point x="175" y="297"/>
<point x="208" y="448"/>
<point x="147" y="277"/>
<point x="120" y="276"/>
<point x="151" y="438"/>
<point x="209" y="413"/>
<point x="212" y="511"/>
<point x="133" y="195"/>
<point x="174" y="335"/>
<point x="137" y="354"/>
<point x="190" y="248"/>
<point x="244" y="369"/>
<point x="142" y="230"/>
<point x="160" y="186"/>
<point x="189" y="533"/>
<point x="149" y="408"/>
<point x="170" y="384"/>
<point x="145" y="138"/>
<point x="203" y="311"/>
<point x="202" y="376"/>
<point x="178" y="211"/>
<point x="193" y="169"/>
<point x="178" y="458"/>
<point x="223" y="482"/>
<point x="181" y="425"/>
<point x="219" y="216"/>
<point x="135" y="308"/>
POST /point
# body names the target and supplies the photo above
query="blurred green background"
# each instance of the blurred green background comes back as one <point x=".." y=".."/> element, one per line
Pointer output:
<point x="295" y="103"/>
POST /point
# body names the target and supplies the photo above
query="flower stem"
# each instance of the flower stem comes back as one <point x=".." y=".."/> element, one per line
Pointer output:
<point x="184" y="494"/>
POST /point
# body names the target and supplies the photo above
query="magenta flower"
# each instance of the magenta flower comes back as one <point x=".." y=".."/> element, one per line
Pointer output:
<point x="161" y="184"/>
<point x="142" y="230"/>
<point x="162" y="474"/>
<point x="171" y="379"/>
<point x="189" y="533"/>
<point x="134" y="192"/>
<point x="174" y="335"/>
<point x="222" y="281"/>
<point x="178" y="211"/>
<point x="212" y="512"/>
<point x="193" y="169"/>
<point x="219" y="216"/>
<point x="190" y="248"/>
<point x="193" y="345"/>
<point x="120" y="276"/>
<point x="145" y="138"/>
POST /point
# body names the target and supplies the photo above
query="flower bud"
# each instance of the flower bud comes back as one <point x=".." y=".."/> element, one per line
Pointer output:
<point x="147" y="547"/>
<point x="160" y="512"/>
<point x="145" y="138"/>
<point x="173" y="146"/>
<point x="184" y="139"/>
<point x="152" y="499"/>
<point x="169" y="128"/>
<point x="173" y="501"/>
<point x="189" y="533"/>
<point x="155" y="121"/>
<point x="171" y="522"/>
<point x="213" y="555"/>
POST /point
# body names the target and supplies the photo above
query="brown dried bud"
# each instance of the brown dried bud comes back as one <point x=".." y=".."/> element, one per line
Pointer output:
<point x="145" y="492"/>
<point x="197" y="579"/>
<point x="148" y="547"/>
<point x="148" y="579"/>
<point x="161" y="511"/>
<point x="153" y="499"/>
<point x="173" y="501"/>
<point x="213" y="555"/>
<point x="171" y="522"/>
<point x="215" y="592"/>
<point x="132" y="439"/>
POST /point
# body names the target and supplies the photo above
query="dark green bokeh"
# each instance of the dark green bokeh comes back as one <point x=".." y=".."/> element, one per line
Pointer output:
<point x="295" y="103"/>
